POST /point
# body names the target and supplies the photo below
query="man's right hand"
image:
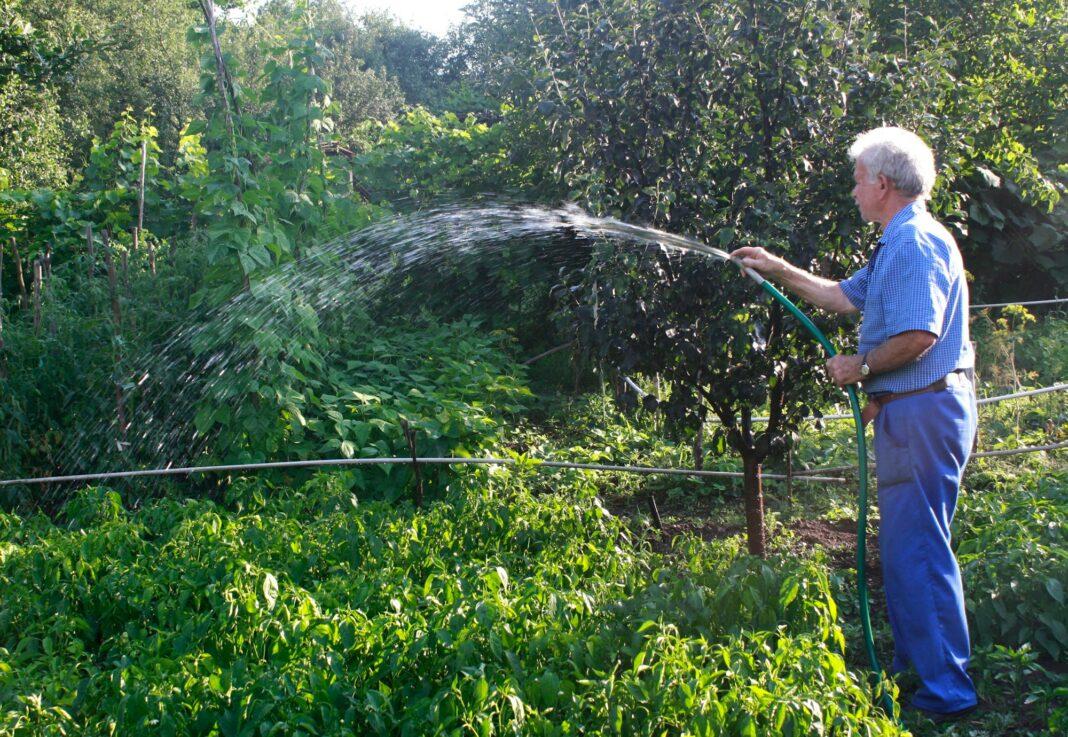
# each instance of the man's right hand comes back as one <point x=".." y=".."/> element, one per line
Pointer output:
<point x="868" y="413"/>
<point x="758" y="259"/>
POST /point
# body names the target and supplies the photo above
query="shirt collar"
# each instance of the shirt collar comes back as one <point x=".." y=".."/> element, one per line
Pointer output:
<point x="903" y="216"/>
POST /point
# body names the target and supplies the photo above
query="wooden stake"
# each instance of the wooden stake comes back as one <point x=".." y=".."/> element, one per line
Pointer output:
<point x="409" y="435"/>
<point x="754" y="507"/>
<point x="141" y="188"/>
<point x="653" y="510"/>
<point x="790" y="475"/>
<point x="38" y="268"/>
<point x="48" y="262"/>
<point x="151" y="251"/>
<point x="220" y="68"/>
<point x="116" y="317"/>
<point x="92" y="249"/>
<point x="24" y="299"/>
<point x="126" y="271"/>
<point x="113" y="281"/>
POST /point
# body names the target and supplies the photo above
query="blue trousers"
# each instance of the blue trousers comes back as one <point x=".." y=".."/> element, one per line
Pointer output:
<point x="922" y="444"/>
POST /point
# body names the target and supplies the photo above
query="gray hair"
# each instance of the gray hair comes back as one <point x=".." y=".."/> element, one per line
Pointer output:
<point x="900" y="155"/>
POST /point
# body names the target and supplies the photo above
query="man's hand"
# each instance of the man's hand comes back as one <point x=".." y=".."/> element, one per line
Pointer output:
<point x="758" y="259"/>
<point x="823" y="293"/>
<point x="845" y="370"/>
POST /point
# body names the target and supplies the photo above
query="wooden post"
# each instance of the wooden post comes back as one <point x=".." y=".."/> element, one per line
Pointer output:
<point x="409" y="435"/>
<point x="141" y="188"/>
<point x="699" y="436"/>
<point x="24" y="300"/>
<point x="126" y="271"/>
<point x="653" y="510"/>
<point x="116" y="318"/>
<point x="220" y="69"/>
<point x="790" y="475"/>
<point x="113" y="281"/>
<point x="47" y="279"/>
<point x="92" y="249"/>
<point x="141" y="209"/>
<point x="38" y="268"/>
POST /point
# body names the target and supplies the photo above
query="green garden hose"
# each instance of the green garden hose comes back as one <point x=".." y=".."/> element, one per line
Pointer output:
<point x="611" y="226"/>
<point x="615" y="227"/>
<point x="862" y="461"/>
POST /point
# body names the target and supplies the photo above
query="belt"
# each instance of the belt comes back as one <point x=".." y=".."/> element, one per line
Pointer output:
<point x="951" y="379"/>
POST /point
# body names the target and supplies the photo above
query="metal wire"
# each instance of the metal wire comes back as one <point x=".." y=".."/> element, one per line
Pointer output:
<point x="1022" y="304"/>
<point x="376" y="461"/>
<point x="983" y="454"/>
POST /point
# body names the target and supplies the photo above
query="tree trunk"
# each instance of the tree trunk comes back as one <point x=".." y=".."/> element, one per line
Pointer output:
<point x="699" y="448"/>
<point x="754" y="506"/>
<point x="24" y="299"/>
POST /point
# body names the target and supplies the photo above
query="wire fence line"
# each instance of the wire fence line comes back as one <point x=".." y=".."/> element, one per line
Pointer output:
<point x="812" y="474"/>
<point x="1017" y="451"/>
<point x="801" y="475"/>
<point x="1030" y="393"/>
<point x="1055" y="300"/>
<point x="986" y="400"/>
<point x="809" y="472"/>
<point x="340" y="462"/>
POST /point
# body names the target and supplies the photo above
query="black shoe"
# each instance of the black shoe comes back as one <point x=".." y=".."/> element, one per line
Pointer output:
<point x="943" y="717"/>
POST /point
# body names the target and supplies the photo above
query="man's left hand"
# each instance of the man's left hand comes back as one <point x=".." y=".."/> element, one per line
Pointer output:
<point x="845" y="370"/>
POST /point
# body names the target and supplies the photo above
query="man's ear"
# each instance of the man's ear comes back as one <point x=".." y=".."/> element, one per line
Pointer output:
<point x="884" y="182"/>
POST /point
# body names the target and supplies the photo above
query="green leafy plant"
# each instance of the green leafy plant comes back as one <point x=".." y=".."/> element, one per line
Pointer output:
<point x="1013" y="555"/>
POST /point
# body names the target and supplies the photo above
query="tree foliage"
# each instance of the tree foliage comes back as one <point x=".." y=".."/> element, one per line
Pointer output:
<point x="140" y="60"/>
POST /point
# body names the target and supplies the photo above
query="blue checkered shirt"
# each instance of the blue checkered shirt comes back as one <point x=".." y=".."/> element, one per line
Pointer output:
<point x="914" y="280"/>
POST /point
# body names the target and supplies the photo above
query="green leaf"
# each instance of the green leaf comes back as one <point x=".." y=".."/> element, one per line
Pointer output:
<point x="1055" y="589"/>
<point x="270" y="590"/>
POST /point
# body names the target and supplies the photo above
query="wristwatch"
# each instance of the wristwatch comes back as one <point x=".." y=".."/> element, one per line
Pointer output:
<point x="865" y="369"/>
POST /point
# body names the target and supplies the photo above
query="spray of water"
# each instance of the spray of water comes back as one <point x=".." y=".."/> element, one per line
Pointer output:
<point x="340" y="282"/>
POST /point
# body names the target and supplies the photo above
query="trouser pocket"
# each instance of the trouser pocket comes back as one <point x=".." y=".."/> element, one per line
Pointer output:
<point x="893" y="459"/>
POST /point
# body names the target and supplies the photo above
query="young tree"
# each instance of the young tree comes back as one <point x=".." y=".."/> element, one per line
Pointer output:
<point x="727" y="122"/>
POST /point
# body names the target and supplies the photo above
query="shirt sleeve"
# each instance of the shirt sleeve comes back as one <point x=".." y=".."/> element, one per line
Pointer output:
<point x="855" y="288"/>
<point x="918" y="291"/>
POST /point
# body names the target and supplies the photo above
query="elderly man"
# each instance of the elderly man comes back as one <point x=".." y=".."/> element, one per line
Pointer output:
<point x="914" y="364"/>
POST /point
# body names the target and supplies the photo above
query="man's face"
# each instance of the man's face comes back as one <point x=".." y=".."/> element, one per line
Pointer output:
<point x="867" y="194"/>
